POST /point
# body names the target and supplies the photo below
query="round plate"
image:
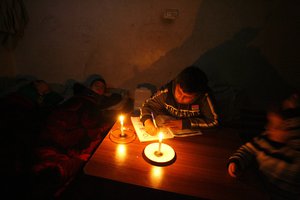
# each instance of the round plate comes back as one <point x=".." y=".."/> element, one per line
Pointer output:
<point x="127" y="137"/>
<point x="166" y="157"/>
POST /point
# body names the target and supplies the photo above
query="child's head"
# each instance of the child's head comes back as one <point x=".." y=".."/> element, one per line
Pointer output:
<point x="41" y="87"/>
<point x="274" y="127"/>
<point x="98" y="86"/>
<point x="284" y="119"/>
<point x="190" y="82"/>
<point x="292" y="101"/>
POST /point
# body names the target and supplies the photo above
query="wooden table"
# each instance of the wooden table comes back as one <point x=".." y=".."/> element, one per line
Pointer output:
<point x="199" y="170"/>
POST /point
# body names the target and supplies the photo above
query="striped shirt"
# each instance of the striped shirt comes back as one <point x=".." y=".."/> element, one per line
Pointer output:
<point x="278" y="162"/>
<point x="199" y="114"/>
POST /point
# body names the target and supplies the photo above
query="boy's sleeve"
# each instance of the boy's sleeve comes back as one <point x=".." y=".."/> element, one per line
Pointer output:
<point x="243" y="156"/>
<point x="153" y="104"/>
<point x="209" y="117"/>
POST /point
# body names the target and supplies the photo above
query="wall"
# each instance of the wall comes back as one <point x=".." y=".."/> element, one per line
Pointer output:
<point x="72" y="39"/>
<point x="249" y="45"/>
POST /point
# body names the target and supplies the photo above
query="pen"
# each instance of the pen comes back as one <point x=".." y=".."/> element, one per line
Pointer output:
<point x="153" y="119"/>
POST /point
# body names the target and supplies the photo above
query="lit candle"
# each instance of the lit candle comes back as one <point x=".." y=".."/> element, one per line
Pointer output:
<point x="160" y="136"/>
<point x="121" y="118"/>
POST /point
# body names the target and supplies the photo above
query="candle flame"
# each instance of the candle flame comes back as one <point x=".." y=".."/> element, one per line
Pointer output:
<point x="121" y="118"/>
<point x="160" y="137"/>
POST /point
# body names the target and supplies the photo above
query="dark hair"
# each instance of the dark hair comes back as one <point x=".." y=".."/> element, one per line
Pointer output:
<point x="192" y="80"/>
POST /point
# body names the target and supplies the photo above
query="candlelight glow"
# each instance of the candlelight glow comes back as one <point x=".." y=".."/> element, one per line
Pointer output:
<point x="121" y="152"/>
<point x="121" y="118"/>
<point x="156" y="172"/>
<point x="156" y="175"/>
<point x="160" y="136"/>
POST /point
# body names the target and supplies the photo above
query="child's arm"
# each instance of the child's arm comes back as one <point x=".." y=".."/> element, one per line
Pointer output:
<point x="233" y="170"/>
<point x="241" y="159"/>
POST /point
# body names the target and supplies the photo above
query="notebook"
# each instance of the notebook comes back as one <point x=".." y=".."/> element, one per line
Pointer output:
<point x="167" y="132"/>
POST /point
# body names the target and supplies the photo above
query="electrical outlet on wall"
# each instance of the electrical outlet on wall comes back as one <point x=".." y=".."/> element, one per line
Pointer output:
<point x="171" y="14"/>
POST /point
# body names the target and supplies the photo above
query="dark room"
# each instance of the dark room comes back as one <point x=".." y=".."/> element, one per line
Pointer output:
<point x="130" y="99"/>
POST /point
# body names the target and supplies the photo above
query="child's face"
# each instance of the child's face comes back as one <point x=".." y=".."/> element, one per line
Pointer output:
<point x="274" y="128"/>
<point x="98" y="87"/>
<point x="182" y="97"/>
<point x="274" y="121"/>
<point x="42" y="88"/>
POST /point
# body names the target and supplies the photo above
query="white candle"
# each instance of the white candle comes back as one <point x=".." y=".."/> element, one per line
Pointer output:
<point x="121" y="118"/>
<point x="160" y="136"/>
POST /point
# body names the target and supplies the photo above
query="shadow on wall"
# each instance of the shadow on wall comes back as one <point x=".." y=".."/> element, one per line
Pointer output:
<point x="238" y="73"/>
<point x="242" y="67"/>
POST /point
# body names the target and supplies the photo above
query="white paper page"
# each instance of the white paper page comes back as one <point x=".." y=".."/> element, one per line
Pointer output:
<point x="143" y="135"/>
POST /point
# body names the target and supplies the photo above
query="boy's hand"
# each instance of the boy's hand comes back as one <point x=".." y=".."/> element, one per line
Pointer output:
<point x="150" y="128"/>
<point x="233" y="170"/>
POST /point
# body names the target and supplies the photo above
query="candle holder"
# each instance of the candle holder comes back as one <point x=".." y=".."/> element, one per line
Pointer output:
<point x="122" y="137"/>
<point x="163" y="156"/>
